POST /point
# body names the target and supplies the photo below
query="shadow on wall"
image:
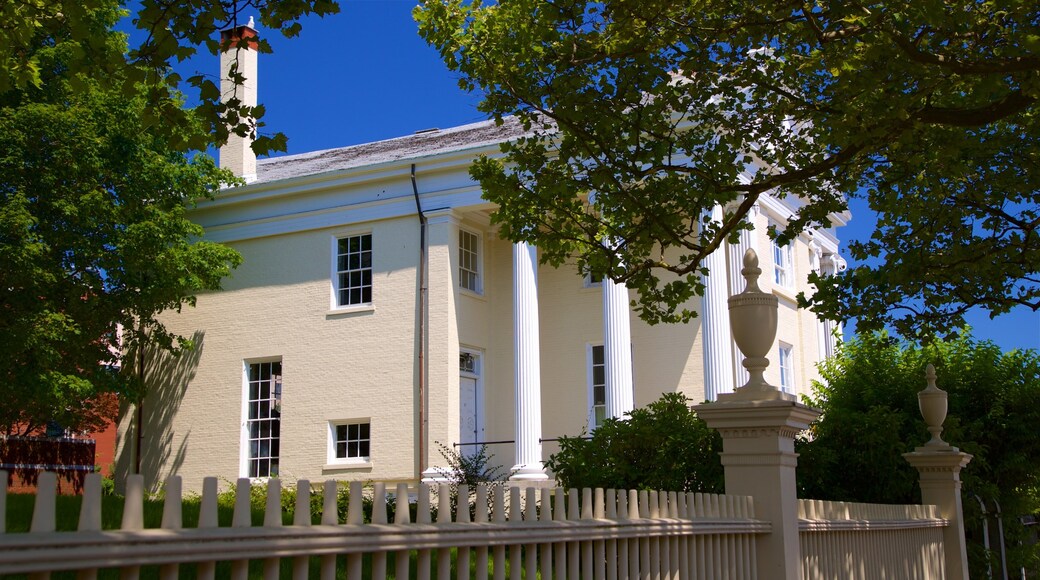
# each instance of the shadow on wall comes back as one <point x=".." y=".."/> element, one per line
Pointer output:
<point x="167" y="377"/>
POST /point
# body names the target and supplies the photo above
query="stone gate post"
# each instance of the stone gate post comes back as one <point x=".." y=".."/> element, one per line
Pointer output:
<point x="758" y="424"/>
<point x="940" y="464"/>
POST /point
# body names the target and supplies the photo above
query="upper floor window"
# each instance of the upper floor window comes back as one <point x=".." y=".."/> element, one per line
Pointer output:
<point x="786" y="356"/>
<point x="783" y="265"/>
<point x="354" y="270"/>
<point x="469" y="261"/>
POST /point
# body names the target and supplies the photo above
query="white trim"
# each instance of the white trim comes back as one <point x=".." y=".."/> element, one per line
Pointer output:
<point x="478" y="258"/>
<point x="334" y="462"/>
<point x="334" y="306"/>
<point x="243" y="455"/>
<point x="785" y="353"/>
<point x="283" y="220"/>
<point x="478" y="374"/>
<point x="784" y="272"/>
<point x="590" y="407"/>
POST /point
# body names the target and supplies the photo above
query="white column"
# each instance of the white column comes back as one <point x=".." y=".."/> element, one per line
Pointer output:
<point x="527" y="364"/>
<point x="748" y="241"/>
<point x="617" y="349"/>
<point x="716" y="336"/>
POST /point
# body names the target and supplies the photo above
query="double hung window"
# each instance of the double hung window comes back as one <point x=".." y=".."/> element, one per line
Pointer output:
<point x="263" y="418"/>
<point x="353" y="275"/>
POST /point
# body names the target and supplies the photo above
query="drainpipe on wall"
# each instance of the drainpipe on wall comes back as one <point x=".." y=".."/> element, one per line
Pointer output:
<point x="140" y="402"/>
<point x="422" y="326"/>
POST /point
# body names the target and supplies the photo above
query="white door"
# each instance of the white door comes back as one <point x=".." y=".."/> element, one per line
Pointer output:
<point x="469" y="415"/>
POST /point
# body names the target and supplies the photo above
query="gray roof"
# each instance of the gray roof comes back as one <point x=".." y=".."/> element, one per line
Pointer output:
<point x="422" y="144"/>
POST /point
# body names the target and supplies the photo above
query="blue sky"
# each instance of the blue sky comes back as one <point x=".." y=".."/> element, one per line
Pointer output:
<point x="365" y="75"/>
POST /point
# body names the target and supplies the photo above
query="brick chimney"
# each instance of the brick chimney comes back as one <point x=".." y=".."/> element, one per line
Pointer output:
<point x="236" y="154"/>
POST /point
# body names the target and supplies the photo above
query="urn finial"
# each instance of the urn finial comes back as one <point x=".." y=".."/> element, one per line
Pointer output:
<point x="933" y="403"/>
<point x="753" y="320"/>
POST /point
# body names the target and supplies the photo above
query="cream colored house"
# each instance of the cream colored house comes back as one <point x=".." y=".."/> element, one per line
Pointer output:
<point x="378" y="313"/>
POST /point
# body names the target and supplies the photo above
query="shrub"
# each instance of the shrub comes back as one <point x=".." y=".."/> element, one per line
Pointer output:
<point x="662" y="446"/>
<point x="871" y="417"/>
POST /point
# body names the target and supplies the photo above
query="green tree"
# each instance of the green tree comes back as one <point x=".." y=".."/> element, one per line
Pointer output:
<point x="171" y="32"/>
<point x="94" y="240"/>
<point x="870" y="417"/>
<point x="664" y="109"/>
<point x="663" y="446"/>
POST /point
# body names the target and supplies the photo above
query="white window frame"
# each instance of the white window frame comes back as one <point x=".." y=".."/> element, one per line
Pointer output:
<point x="785" y="363"/>
<point x="589" y="281"/>
<point x="333" y="441"/>
<point x="783" y="263"/>
<point x="590" y="377"/>
<point x="275" y="395"/>
<point x="476" y="256"/>
<point x="478" y="374"/>
<point x="361" y="270"/>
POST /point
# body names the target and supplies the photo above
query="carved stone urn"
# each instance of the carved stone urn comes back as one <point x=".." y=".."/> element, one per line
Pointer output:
<point x="934" y="404"/>
<point x="753" y="319"/>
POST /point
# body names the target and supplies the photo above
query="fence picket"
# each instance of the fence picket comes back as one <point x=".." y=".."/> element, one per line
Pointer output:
<point x="401" y="517"/>
<point x="208" y="519"/>
<point x="481" y="566"/>
<point x="443" y="516"/>
<point x="302" y="517"/>
<point x="633" y="544"/>
<point x="241" y="518"/>
<point x="531" y="550"/>
<point x="424" y="558"/>
<point x="573" y="551"/>
<point x="598" y="549"/>
<point x="462" y="516"/>
<point x="515" y="515"/>
<point x="559" y="548"/>
<point x="355" y="517"/>
<point x="272" y="518"/>
<point x="545" y="550"/>
<point x="586" y="546"/>
<point x="610" y="547"/>
<point x="499" y="551"/>
<point x="379" y="518"/>
<point x="171" y="518"/>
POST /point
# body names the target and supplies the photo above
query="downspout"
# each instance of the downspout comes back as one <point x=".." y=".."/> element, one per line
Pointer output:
<point x="140" y="402"/>
<point x="422" y="326"/>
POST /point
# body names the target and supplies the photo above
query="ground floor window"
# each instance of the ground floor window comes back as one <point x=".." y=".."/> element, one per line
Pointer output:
<point x="597" y="377"/>
<point x="351" y="441"/>
<point x="263" y="418"/>
<point x="786" y="356"/>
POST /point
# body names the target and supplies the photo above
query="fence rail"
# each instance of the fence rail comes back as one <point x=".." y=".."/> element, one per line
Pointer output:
<point x="544" y="531"/>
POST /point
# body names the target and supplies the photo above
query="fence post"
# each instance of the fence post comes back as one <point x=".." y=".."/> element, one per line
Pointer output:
<point x="940" y="464"/>
<point x="758" y="424"/>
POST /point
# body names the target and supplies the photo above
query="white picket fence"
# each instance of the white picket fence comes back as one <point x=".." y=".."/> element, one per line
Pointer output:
<point x="546" y="532"/>
<point x="858" y="540"/>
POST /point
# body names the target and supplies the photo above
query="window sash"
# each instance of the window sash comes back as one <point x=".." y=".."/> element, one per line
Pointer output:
<point x="354" y="270"/>
<point x="469" y="261"/>
<point x="264" y="422"/>
<point x="597" y="386"/>
<point x="782" y="265"/>
<point x="353" y="440"/>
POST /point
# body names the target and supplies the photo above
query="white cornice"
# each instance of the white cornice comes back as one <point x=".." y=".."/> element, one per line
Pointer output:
<point x="457" y="160"/>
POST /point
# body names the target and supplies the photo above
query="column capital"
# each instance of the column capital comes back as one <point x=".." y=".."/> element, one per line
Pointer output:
<point x="442" y="216"/>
